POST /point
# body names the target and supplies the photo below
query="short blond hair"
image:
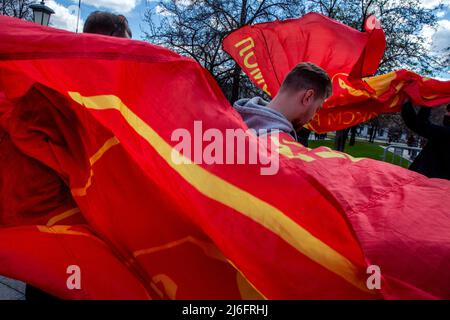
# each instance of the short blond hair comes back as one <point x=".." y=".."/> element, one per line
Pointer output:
<point x="307" y="75"/>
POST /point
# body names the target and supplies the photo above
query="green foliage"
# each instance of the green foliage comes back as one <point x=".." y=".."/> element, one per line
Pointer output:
<point x="363" y="149"/>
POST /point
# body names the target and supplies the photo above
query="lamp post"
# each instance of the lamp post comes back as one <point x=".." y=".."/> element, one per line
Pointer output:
<point x="41" y="13"/>
<point x="78" y="14"/>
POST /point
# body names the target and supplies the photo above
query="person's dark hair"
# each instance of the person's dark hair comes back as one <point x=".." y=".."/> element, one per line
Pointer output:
<point x="307" y="75"/>
<point x="108" y="24"/>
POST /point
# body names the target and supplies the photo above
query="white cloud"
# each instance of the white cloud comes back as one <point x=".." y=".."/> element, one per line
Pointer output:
<point x="430" y="4"/>
<point x="439" y="44"/>
<point x="118" y="6"/>
<point x="438" y="39"/>
<point x="441" y="38"/>
<point x="64" y="17"/>
<point x="427" y="33"/>
<point x="181" y="4"/>
<point x="184" y="3"/>
<point x="162" y="11"/>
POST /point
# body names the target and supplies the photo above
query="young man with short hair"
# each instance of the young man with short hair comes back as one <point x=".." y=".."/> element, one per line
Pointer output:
<point x="301" y="95"/>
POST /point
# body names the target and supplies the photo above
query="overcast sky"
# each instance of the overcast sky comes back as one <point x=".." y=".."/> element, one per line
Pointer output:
<point x="65" y="17"/>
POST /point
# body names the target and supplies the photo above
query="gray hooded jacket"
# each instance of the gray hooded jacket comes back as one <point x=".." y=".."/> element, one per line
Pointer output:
<point x="257" y="116"/>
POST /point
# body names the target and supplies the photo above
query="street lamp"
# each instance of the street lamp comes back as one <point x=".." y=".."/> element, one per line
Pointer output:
<point x="41" y="13"/>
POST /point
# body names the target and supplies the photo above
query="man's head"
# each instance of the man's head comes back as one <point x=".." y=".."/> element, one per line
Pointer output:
<point x="107" y="24"/>
<point x="303" y="93"/>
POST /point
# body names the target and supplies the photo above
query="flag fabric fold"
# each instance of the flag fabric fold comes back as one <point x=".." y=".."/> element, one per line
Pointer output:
<point x="266" y="52"/>
<point x="98" y="115"/>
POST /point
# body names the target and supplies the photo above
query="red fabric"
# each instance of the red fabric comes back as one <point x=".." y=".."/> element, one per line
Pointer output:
<point x="30" y="192"/>
<point x="386" y="93"/>
<point x="100" y="113"/>
<point x="41" y="258"/>
<point x="266" y="52"/>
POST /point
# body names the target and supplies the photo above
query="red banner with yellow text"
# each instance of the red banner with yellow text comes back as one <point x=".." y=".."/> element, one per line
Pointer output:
<point x="266" y="52"/>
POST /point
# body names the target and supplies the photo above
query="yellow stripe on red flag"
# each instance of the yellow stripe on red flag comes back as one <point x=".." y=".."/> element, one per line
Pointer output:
<point x="230" y="195"/>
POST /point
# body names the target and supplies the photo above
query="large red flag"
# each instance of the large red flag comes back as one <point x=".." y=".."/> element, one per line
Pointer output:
<point x="101" y="112"/>
<point x="266" y="52"/>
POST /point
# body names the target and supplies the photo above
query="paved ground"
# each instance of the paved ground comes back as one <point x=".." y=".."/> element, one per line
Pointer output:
<point x="11" y="289"/>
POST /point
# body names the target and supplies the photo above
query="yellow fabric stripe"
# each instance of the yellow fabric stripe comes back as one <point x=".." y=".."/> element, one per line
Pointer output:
<point x="106" y="146"/>
<point x="62" y="216"/>
<point x="226" y="193"/>
<point x="79" y="192"/>
<point x="208" y="248"/>
<point x="66" y="230"/>
<point x="62" y="229"/>
<point x="329" y="155"/>
<point x="263" y="297"/>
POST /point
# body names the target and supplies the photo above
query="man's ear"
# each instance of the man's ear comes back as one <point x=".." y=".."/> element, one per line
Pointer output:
<point x="308" y="96"/>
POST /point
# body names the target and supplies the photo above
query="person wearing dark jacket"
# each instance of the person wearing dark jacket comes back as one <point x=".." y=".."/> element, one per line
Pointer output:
<point x="434" y="159"/>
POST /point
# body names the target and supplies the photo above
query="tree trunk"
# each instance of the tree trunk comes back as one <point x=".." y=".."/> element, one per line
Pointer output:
<point x="303" y="136"/>
<point x="236" y="84"/>
<point x="373" y="134"/>
<point x="353" y="136"/>
<point x="340" y="139"/>
<point x="237" y="70"/>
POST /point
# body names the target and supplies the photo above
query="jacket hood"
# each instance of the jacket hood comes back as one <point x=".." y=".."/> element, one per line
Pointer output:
<point x="258" y="116"/>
